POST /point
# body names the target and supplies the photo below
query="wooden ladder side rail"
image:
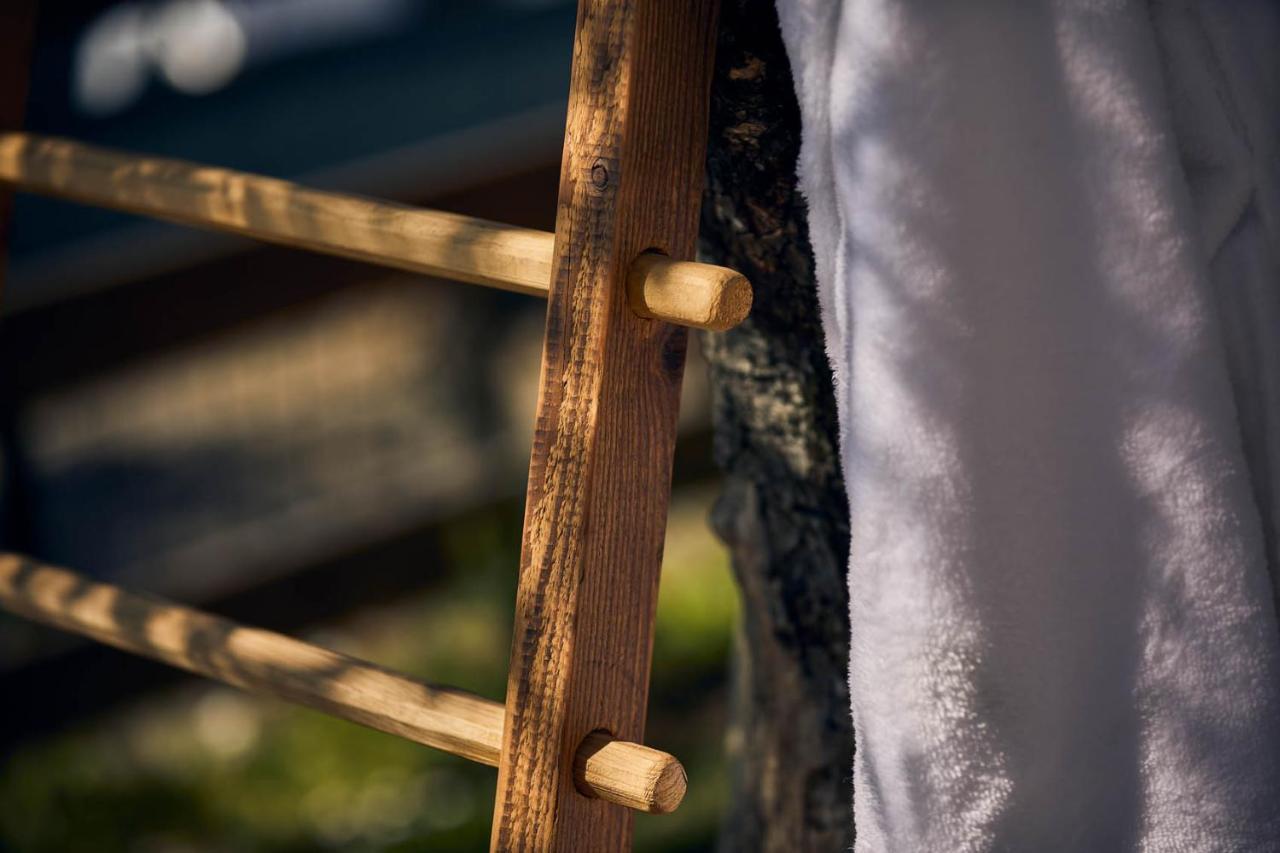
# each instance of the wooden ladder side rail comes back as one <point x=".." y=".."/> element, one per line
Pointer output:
<point x="271" y="664"/>
<point x="600" y="473"/>
<point x="436" y="243"/>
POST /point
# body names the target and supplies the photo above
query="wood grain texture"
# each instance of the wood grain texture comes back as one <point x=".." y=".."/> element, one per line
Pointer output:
<point x="275" y="665"/>
<point x="277" y="211"/>
<point x="422" y="241"/>
<point x="599" y="478"/>
<point x="701" y="295"/>
<point x="601" y="759"/>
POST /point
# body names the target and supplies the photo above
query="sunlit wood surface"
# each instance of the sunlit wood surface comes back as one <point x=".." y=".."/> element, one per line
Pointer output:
<point x="432" y="242"/>
<point x="275" y="665"/>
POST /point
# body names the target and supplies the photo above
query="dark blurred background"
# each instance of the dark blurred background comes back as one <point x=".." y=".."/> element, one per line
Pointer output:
<point x="308" y="444"/>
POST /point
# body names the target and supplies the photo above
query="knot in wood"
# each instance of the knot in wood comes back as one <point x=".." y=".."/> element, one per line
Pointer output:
<point x="599" y="174"/>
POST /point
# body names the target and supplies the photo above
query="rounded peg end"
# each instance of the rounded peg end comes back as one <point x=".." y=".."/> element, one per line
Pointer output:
<point x="629" y="774"/>
<point x="702" y="296"/>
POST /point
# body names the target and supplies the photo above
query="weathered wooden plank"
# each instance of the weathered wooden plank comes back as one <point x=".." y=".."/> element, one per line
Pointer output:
<point x="599" y="479"/>
<point x="423" y="241"/>
<point x="275" y="665"/>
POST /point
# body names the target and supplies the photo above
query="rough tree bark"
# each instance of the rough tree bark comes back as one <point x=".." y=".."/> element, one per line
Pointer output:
<point x="783" y="512"/>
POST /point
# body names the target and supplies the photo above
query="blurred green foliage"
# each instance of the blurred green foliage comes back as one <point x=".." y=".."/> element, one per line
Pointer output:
<point x="205" y="769"/>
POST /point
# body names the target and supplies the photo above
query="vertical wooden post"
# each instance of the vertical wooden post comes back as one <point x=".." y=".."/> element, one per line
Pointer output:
<point x="600" y="476"/>
<point x="17" y="31"/>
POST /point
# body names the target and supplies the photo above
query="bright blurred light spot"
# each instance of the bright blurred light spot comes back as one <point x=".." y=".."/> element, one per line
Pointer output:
<point x="111" y="61"/>
<point x="226" y="723"/>
<point x="199" y="45"/>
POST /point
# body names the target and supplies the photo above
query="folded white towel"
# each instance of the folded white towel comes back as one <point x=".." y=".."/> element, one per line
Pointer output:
<point x="1035" y="223"/>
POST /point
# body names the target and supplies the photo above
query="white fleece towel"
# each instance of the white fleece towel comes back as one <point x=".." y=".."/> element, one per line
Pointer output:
<point x="1046" y="235"/>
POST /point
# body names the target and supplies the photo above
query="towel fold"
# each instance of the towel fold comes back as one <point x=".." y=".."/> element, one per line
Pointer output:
<point x="1046" y="235"/>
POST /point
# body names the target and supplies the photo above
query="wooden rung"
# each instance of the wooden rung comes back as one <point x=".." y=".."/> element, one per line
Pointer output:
<point x="422" y="241"/>
<point x="275" y="665"/>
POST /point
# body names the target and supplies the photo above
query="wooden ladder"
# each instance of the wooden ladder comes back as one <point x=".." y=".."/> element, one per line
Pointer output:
<point x="621" y="290"/>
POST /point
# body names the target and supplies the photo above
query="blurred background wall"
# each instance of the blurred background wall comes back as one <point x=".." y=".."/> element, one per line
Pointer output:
<point x="308" y="444"/>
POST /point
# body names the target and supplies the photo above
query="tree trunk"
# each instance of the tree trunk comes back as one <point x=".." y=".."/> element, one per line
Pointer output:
<point x="783" y="512"/>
